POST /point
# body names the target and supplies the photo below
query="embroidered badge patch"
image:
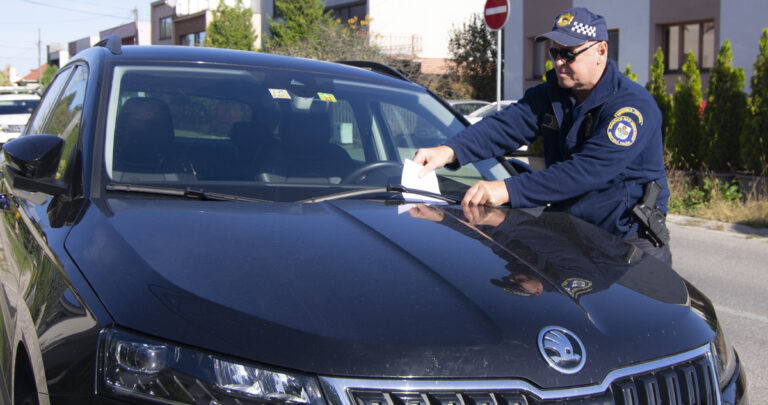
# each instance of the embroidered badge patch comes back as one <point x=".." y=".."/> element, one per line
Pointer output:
<point x="565" y="19"/>
<point x="576" y="286"/>
<point x="622" y="131"/>
<point x="630" y="110"/>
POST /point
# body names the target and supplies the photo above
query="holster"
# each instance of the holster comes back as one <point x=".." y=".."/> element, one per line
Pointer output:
<point x="652" y="221"/>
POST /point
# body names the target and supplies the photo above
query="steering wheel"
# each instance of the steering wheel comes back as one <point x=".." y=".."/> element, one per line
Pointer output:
<point x="360" y="173"/>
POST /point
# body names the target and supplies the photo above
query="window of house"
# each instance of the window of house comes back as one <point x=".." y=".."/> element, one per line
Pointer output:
<point x="696" y="37"/>
<point x="613" y="46"/>
<point x="351" y="10"/>
<point x="193" y="39"/>
<point x="166" y="25"/>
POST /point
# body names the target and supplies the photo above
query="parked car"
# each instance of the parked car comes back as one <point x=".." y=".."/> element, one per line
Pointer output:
<point x="487" y="110"/>
<point x="16" y="105"/>
<point x="209" y="226"/>
<point x="464" y="107"/>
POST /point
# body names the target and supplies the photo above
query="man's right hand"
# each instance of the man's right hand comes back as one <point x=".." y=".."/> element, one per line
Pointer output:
<point x="433" y="158"/>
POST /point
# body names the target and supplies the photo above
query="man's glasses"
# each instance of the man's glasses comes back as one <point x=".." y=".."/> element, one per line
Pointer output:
<point x="567" y="54"/>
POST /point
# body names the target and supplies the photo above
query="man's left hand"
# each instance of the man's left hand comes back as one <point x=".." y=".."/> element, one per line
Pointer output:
<point x="487" y="193"/>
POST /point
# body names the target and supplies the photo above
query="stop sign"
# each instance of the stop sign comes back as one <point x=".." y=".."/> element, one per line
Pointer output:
<point x="496" y="13"/>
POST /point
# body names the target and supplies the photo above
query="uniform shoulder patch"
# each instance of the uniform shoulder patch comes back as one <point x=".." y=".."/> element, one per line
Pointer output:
<point x="630" y="110"/>
<point x="622" y="131"/>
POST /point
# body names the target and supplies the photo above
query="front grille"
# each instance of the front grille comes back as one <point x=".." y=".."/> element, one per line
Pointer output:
<point x="688" y="378"/>
<point x="692" y="382"/>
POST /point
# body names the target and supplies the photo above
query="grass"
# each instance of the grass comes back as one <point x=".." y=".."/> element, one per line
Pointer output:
<point x="710" y="196"/>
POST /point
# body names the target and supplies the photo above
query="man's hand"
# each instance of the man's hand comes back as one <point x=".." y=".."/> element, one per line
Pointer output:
<point x="484" y="215"/>
<point x="487" y="193"/>
<point x="433" y="158"/>
<point x="429" y="212"/>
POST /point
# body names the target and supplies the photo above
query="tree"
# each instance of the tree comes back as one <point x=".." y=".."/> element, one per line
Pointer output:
<point x="303" y="21"/>
<point x="685" y="132"/>
<point x="547" y="67"/>
<point x="48" y="73"/>
<point x="232" y="27"/>
<point x="473" y="50"/>
<point x="630" y="74"/>
<point x="725" y="112"/>
<point x="657" y="86"/>
<point x="337" y="40"/>
<point x="754" y="138"/>
<point x="4" y="81"/>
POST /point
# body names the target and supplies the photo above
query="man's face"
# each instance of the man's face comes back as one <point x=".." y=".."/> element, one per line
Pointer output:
<point x="585" y="70"/>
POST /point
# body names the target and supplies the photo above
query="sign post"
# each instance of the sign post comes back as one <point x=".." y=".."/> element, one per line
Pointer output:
<point x="496" y="14"/>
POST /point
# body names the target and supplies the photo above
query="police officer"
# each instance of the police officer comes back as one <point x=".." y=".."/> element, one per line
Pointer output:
<point x="601" y="134"/>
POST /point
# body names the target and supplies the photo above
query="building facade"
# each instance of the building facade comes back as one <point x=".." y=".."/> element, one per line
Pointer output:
<point x="637" y="28"/>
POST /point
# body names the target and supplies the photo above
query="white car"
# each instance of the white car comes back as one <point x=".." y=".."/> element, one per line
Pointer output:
<point x="15" y="110"/>
<point x="487" y="110"/>
<point x="491" y="109"/>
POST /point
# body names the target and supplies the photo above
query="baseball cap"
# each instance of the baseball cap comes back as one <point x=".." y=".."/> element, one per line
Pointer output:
<point x="575" y="26"/>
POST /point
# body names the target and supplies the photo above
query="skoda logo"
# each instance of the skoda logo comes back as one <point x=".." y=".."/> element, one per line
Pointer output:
<point x="562" y="350"/>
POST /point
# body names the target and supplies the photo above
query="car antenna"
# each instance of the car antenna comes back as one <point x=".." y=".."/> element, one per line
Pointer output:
<point x="113" y="43"/>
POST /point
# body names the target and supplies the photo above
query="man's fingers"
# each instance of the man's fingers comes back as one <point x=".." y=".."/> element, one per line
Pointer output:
<point x="486" y="193"/>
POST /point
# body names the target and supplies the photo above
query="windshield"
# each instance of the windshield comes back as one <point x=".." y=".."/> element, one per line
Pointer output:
<point x="273" y="134"/>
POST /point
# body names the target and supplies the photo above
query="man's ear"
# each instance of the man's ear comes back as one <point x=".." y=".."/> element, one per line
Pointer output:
<point x="603" y="48"/>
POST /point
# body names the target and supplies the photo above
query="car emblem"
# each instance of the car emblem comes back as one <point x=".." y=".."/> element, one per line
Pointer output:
<point x="562" y="349"/>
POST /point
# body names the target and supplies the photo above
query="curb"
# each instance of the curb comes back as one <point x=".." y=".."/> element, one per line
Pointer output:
<point x="716" y="225"/>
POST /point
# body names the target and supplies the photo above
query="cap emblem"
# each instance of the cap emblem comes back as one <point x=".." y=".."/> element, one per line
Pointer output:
<point x="565" y="19"/>
<point x="562" y="350"/>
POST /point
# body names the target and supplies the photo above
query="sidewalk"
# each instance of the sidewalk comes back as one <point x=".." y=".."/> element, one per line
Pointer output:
<point x="716" y="225"/>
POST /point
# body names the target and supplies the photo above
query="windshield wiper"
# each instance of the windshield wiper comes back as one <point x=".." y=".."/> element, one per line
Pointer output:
<point x="187" y="192"/>
<point x="390" y="188"/>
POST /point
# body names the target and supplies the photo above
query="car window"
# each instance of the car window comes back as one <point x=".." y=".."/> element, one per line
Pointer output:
<point x="275" y="133"/>
<point x="38" y="120"/>
<point x="65" y="117"/>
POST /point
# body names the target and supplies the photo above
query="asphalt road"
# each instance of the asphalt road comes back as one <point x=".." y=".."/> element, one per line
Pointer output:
<point x="731" y="267"/>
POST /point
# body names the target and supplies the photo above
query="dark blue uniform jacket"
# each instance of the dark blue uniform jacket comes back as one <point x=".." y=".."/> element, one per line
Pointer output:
<point x="599" y="154"/>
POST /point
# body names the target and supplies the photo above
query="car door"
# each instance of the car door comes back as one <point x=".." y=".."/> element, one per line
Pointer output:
<point x="38" y="290"/>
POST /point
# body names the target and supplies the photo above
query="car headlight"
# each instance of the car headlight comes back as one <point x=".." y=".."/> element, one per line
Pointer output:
<point x="138" y="367"/>
<point x="725" y="357"/>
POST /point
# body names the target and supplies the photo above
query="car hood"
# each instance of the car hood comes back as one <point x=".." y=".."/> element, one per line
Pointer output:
<point x="366" y="289"/>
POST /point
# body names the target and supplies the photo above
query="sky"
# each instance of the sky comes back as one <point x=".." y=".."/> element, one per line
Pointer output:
<point x="59" y="21"/>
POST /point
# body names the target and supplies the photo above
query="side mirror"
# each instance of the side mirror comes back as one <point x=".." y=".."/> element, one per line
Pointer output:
<point x="31" y="163"/>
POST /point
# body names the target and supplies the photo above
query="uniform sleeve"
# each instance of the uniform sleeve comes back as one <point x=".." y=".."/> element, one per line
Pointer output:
<point x="619" y="138"/>
<point x="507" y="130"/>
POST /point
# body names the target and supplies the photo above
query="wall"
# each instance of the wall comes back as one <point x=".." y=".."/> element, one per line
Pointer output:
<point x="741" y="25"/>
<point x="537" y="20"/>
<point x="627" y="16"/>
<point x="678" y="11"/>
<point x="159" y="11"/>
<point x="513" y="52"/>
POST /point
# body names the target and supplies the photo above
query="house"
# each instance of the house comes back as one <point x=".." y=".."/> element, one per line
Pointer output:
<point x="637" y="28"/>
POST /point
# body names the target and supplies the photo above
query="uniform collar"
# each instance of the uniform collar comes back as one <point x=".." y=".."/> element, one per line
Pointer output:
<point x="605" y="88"/>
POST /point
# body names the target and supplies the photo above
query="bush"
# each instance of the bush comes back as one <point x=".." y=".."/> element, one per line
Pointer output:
<point x="685" y="133"/>
<point x="724" y="114"/>
<point x="754" y="137"/>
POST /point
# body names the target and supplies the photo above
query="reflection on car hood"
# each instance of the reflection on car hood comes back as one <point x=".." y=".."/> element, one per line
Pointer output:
<point x="358" y="288"/>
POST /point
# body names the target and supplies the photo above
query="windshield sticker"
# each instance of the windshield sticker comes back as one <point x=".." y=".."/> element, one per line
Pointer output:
<point x="327" y="97"/>
<point x="279" y="93"/>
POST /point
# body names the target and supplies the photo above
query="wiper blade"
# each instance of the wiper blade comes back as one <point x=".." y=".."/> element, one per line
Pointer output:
<point x="390" y="188"/>
<point x="188" y="192"/>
